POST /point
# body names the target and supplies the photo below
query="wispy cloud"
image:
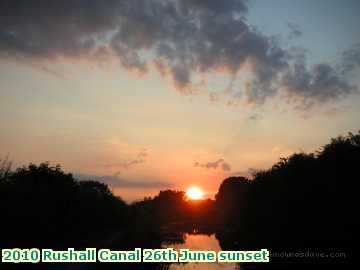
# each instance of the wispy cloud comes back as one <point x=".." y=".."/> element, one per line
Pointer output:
<point x="116" y="182"/>
<point x="139" y="159"/>
<point x="351" y="59"/>
<point x="220" y="163"/>
<point x="295" y="31"/>
<point x="255" y="117"/>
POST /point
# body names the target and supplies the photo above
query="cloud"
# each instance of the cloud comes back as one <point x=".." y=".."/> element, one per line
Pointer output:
<point x="140" y="158"/>
<point x="255" y="117"/>
<point x="295" y="31"/>
<point x="351" y="59"/>
<point x="220" y="163"/>
<point x="116" y="182"/>
<point x="335" y="111"/>
<point x="321" y="83"/>
<point x="225" y="167"/>
<point x="181" y="38"/>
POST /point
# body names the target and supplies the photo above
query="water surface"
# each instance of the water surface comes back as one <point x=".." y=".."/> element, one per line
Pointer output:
<point x="198" y="242"/>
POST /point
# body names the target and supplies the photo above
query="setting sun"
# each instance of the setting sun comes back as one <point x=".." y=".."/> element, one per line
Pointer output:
<point x="195" y="193"/>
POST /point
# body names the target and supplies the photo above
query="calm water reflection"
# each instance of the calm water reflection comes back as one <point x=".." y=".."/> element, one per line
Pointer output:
<point x="199" y="242"/>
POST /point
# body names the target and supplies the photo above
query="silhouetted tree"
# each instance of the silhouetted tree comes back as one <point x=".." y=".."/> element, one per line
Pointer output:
<point x="42" y="205"/>
<point x="303" y="200"/>
<point x="231" y="198"/>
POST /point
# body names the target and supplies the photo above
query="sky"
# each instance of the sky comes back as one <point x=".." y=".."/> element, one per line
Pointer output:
<point x="150" y="95"/>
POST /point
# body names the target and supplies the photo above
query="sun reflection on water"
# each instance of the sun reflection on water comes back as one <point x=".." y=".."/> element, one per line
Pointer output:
<point x="200" y="242"/>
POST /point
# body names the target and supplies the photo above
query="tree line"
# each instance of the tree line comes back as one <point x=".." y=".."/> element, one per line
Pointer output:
<point x="304" y="200"/>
